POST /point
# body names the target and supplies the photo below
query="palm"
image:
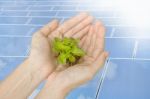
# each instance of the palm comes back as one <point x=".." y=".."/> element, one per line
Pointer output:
<point x="41" y="50"/>
<point x="88" y="65"/>
<point x="76" y="27"/>
<point x="41" y="43"/>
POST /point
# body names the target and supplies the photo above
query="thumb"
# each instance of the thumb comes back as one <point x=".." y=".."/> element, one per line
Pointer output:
<point x="100" y="60"/>
<point x="50" y="27"/>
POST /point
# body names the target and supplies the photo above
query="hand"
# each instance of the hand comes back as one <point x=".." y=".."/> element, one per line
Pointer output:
<point x="60" y="83"/>
<point x="40" y="48"/>
<point x="41" y="55"/>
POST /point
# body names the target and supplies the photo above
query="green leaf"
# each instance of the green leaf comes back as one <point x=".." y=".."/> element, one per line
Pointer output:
<point x="59" y="46"/>
<point x="67" y="50"/>
<point x="62" y="47"/>
<point x="72" y="59"/>
<point x="78" y="52"/>
<point x="62" y="58"/>
<point x="56" y="44"/>
<point x="70" y="41"/>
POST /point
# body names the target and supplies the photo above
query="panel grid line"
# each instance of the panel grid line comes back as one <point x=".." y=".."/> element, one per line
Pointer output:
<point x="112" y="32"/>
<point x="44" y="1"/>
<point x="29" y="32"/>
<point x="102" y="79"/>
<point x="58" y="10"/>
<point x="135" y="49"/>
<point x="28" y="21"/>
<point x="69" y="17"/>
<point x="107" y="37"/>
<point x="57" y="17"/>
<point x="110" y="58"/>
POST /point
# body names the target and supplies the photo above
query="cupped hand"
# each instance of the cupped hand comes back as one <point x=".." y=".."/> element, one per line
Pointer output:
<point x="65" y="80"/>
<point x="41" y="54"/>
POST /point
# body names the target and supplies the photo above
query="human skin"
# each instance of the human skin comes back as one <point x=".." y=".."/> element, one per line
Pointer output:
<point x="60" y="83"/>
<point x="41" y="63"/>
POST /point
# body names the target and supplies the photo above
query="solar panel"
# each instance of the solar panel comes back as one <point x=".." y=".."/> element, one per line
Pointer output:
<point x="125" y="74"/>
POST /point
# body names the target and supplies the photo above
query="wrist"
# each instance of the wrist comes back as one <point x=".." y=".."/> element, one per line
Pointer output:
<point x="26" y="80"/>
<point x="51" y="92"/>
<point x="53" y="89"/>
<point x="38" y="70"/>
<point x="36" y="65"/>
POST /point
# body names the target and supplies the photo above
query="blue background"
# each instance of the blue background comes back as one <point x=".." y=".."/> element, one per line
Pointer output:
<point x="125" y="74"/>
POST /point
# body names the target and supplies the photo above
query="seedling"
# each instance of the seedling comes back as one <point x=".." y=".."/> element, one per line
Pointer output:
<point x="67" y="50"/>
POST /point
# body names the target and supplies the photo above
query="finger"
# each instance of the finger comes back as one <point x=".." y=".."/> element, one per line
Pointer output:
<point x="92" y="44"/>
<point x="82" y="41"/>
<point x="47" y="29"/>
<point x="82" y="33"/>
<point x="87" y="41"/>
<point x="79" y="27"/>
<point x="99" y="45"/>
<point x="98" y="64"/>
<point x="72" y="22"/>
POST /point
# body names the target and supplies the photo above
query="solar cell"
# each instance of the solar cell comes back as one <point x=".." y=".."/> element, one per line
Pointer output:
<point x="126" y="76"/>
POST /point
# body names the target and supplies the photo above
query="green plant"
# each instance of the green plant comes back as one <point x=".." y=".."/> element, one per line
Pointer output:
<point x="67" y="50"/>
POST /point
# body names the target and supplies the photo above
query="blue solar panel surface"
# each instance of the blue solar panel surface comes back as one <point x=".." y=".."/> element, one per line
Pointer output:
<point x="125" y="74"/>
